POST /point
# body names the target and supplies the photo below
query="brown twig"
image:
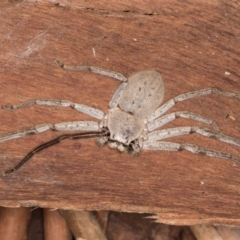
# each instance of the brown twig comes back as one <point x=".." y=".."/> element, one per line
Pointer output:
<point x="14" y="223"/>
<point x="55" y="226"/>
<point x="209" y="232"/>
<point x="83" y="225"/>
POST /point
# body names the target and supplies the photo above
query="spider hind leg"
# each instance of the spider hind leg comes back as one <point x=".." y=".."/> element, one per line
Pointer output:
<point x="171" y="146"/>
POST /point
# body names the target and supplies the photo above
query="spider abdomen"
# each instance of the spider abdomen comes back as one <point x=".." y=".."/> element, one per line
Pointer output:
<point x="143" y="95"/>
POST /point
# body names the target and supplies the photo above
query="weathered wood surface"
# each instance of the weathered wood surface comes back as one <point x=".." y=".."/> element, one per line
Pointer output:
<point x="194" y="45"/>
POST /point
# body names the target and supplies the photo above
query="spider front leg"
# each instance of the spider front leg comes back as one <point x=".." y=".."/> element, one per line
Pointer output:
<point x="101" y="71"/>
<point x="182" y="97"/>
<point x="63" y="126"/>
<point x="170" y="146"/>
<point x="115" y="75"/>
<point x="159" y="122"/>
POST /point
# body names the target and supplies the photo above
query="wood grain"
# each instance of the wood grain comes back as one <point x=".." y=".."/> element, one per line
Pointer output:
<point x="194" y="44"/>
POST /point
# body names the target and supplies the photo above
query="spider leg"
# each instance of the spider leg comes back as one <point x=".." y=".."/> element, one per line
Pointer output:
<point x="118" y="76"/>
<point x="53" y="142"/>
<point x="116" y="96"/>
<point x="63" y="126"/>
<point x="182" y="97"/>
<point x="112" y="74"/>
<point x="94" y="112"/>
<point x="170" y="146"/>
<point x="159" y="122"/>
<point x="179" y="131"/>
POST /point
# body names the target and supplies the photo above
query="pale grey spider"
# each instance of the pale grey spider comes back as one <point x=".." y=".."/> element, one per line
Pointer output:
<point x="135" y="112"/>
